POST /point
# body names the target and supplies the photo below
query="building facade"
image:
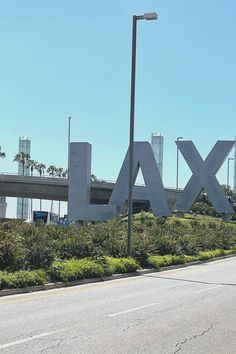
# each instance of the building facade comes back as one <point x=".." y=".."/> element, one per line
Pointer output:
<point x="22" y="211"/>
<point x="157" y="141"/>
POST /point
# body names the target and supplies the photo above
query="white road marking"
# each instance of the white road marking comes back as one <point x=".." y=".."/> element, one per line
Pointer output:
<point x="206" y="289"/>
<point x="20" y="341"/>
<point x="132" y="310"/>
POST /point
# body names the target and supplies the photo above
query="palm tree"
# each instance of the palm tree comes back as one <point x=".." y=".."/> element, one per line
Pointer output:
<point x="65" y="173"/>
<point x="2" y="154"/>
<point x="51" y="170"/>
<point x="22" y="158"/>
<point x="93" y="178"/>
<point x="32" y="166"/>
<point x="59" y="172"/>
<point x="40" y="167"/>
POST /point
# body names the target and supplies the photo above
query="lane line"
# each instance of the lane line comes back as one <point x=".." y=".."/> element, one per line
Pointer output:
<point x="132" y="310"/>
<point x="213" y="287"/>
<point x="24" y="340"/>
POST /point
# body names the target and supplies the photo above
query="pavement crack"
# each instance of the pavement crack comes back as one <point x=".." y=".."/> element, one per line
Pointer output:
<point x="137" y="322"/>
<point x="59" y="341"/>
<point x="179" y="345"/>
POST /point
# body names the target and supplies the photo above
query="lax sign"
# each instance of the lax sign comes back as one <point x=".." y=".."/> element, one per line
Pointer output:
<point x="203" y="176"/>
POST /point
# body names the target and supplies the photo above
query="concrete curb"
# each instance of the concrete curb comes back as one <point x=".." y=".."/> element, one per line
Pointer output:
<point x="58" y="285"/>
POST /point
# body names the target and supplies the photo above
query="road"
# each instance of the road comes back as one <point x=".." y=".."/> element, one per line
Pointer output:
<point x="188" y="310"/>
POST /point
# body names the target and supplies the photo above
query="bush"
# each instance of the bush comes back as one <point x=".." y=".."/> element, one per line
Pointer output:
<point x="75" y="269"/>
<point x="22" y="279"/>
<point x="210" y="254"/>
<point x="11" y="250"/>
<point x="162" y="261"/>
<point x="122" y="265"/>
<point x="36" y="246"/>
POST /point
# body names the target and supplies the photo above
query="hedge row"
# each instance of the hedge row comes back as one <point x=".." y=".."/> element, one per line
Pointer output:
<point x="69" y="270"/>
<point x="76" y="269"/>
<point x="162" y="261"/>
<point x="22" y="279"/>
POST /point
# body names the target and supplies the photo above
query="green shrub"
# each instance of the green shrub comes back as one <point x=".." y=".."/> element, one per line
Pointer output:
<point x="210" y="254"/>
<point x="22" y="279"/>
<point x="122" y="265"/>
<point x="162" y="261"/>
<point x="159" y="261"/>
<point x="38" y="245"/>
<point x="76" y="269"/>
<point x="11" y="250"/>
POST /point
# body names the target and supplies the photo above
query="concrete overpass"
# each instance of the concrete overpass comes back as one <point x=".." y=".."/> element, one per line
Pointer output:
<point x="57" y="189"/>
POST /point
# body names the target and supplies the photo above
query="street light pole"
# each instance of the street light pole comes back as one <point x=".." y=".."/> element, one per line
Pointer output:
<point x="68" y="162"/>
<point x="229" y="159"/>
<point x="68" y="142"/>
<point x="147" y="16"/>
<point x="177" y="165"/>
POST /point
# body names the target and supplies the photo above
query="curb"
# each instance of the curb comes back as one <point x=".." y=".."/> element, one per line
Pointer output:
<point x="58" y="285"/>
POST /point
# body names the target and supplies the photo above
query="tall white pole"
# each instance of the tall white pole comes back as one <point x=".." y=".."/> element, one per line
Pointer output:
<point x="68" y="162"/>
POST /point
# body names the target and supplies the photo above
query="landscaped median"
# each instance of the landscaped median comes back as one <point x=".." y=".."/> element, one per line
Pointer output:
<point x="68" y="270"/>
<point x="158" y="262"/>
<point x="78" y="269"/>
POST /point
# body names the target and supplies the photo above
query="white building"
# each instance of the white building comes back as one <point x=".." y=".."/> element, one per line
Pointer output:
<point x="23" y="203"/>
<point x="157" y="147"/>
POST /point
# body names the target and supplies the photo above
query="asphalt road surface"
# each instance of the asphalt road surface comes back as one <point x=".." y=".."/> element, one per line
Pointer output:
<point x="188" y="310"/>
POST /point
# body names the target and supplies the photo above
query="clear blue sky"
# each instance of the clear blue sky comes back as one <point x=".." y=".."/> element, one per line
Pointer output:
<point x="61" y="58"/>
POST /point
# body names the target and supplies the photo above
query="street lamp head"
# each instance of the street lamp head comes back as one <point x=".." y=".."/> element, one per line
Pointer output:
<point x="150" y="16"/>
<point x="179" y="137"/>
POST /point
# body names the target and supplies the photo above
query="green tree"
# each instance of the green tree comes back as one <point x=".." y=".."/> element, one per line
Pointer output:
<point x="32" y="166"/>
<point x="40" y="167"/>
<point x="65" y="173"/>
<point x="2" y="154"/>
<point x="22" y="158"/>
<point x="93" y="178"/>
<point x="52" y="170"/>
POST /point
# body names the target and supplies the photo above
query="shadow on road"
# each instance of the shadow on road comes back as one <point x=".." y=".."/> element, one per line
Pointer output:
<point x="188" y="280"/>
